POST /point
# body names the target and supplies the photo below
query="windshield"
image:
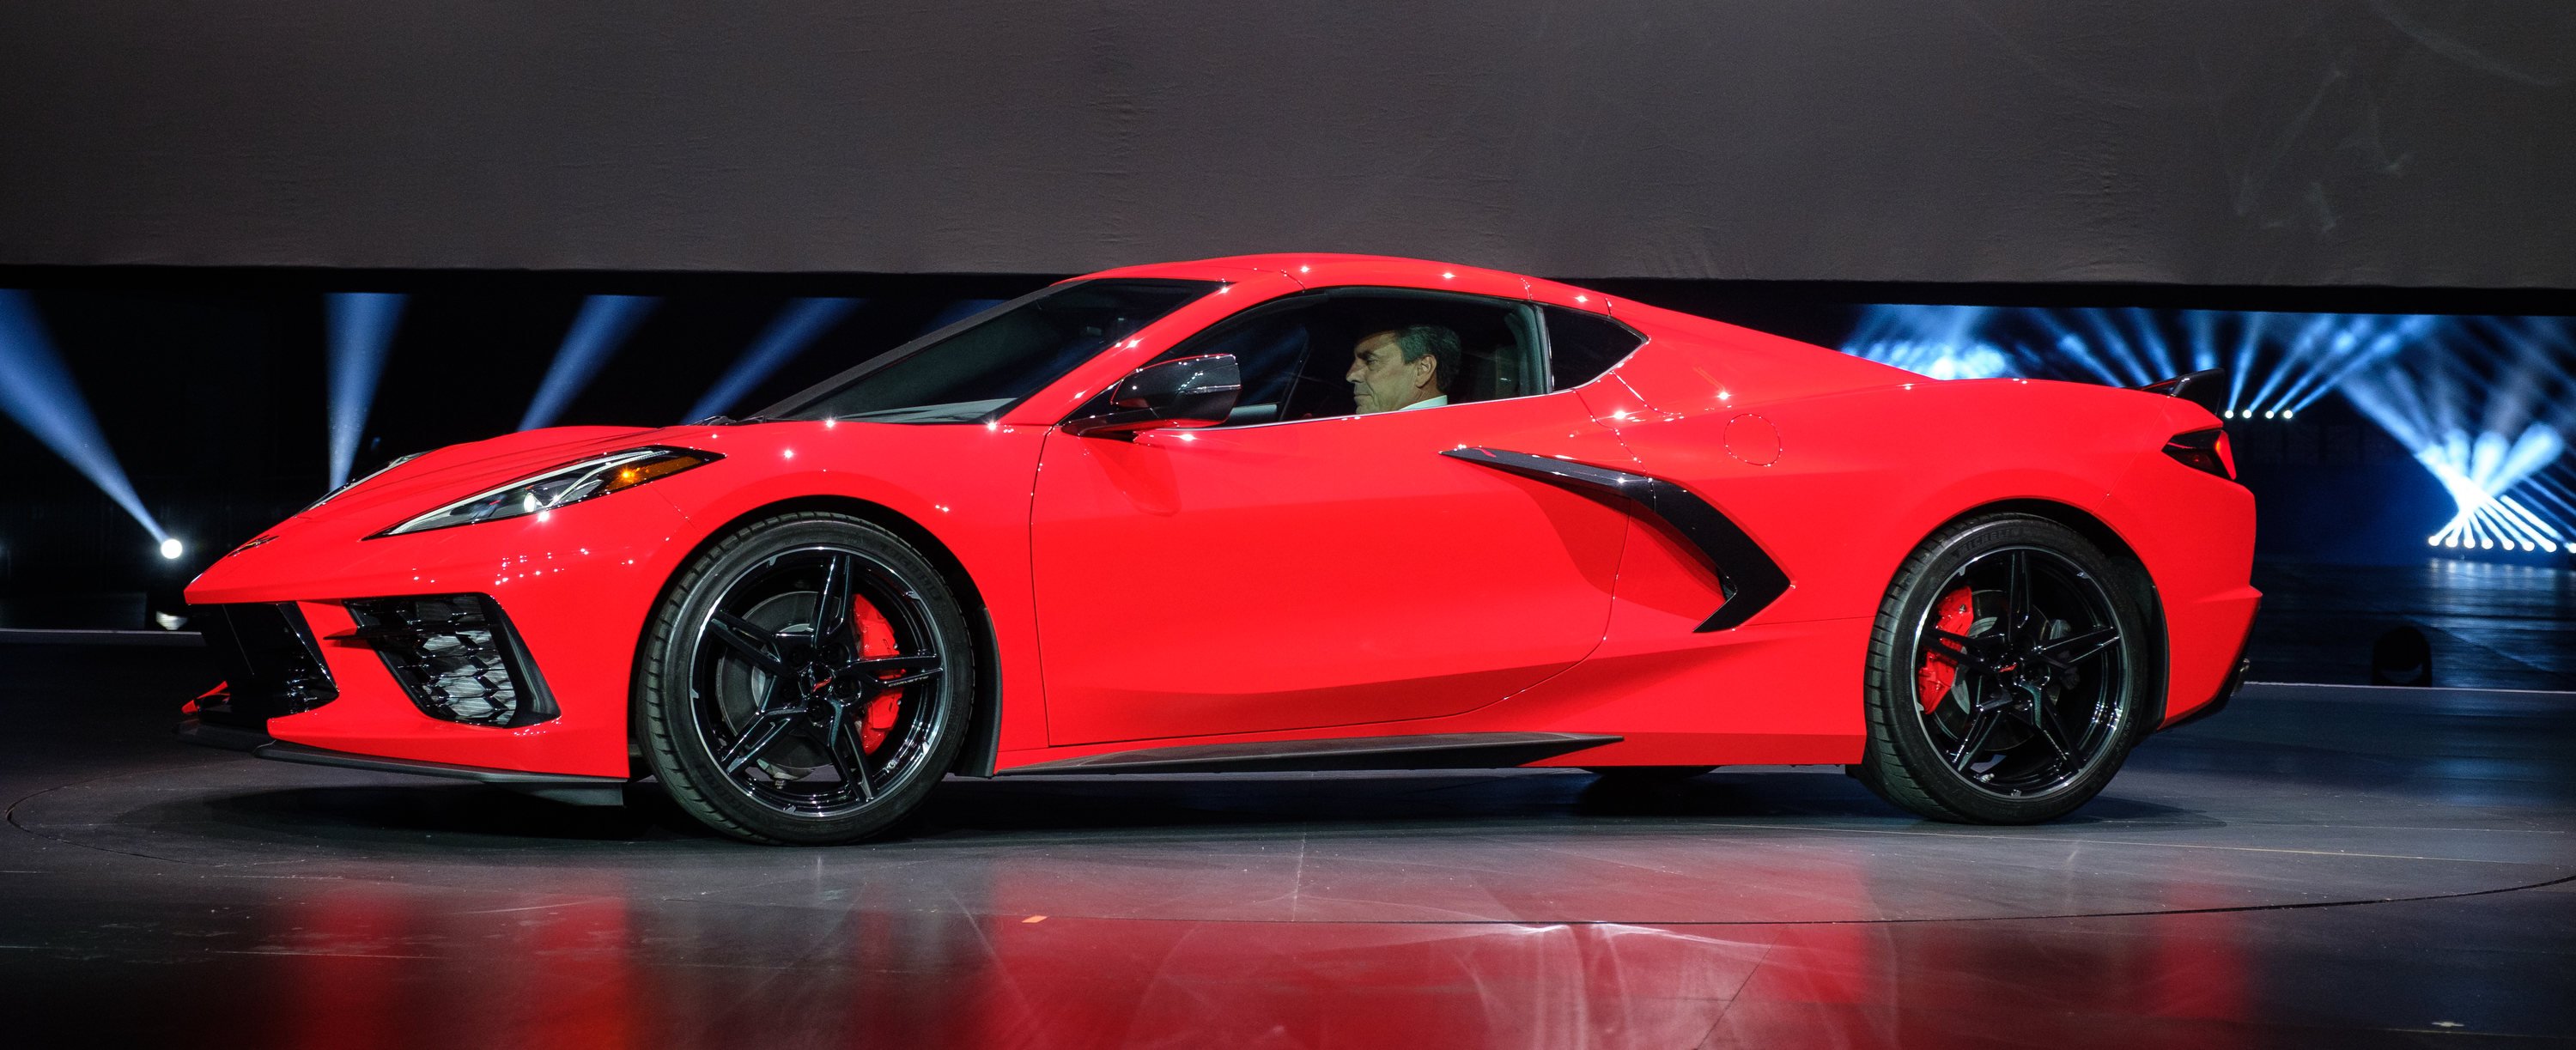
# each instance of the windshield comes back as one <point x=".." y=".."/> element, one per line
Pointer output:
<point x="972" y="370"/>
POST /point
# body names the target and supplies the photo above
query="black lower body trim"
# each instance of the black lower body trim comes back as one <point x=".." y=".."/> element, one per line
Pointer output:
<point x="2226" y="689"/>
<point x="1429" y="751"/>
<point x="256" y="742"/>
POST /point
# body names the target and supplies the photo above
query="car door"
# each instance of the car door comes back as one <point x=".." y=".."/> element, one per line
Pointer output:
<point x="1313" y="572"/>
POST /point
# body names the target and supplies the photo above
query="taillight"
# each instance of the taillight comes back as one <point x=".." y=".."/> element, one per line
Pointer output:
<point x="2204" y="450"/>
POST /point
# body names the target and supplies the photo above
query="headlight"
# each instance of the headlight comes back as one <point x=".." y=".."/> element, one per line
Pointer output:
<point x="563" y="485"/>
<point x="371" y="476"/>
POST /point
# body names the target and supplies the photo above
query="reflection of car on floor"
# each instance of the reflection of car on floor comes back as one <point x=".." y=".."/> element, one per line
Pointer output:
<point x="1131" y="524"/>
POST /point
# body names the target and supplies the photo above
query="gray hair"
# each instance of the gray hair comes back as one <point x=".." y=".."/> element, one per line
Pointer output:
<point x="1416" y="340"/>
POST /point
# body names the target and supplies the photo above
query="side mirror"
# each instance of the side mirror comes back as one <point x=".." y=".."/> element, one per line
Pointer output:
<point x="1186" y="392"/>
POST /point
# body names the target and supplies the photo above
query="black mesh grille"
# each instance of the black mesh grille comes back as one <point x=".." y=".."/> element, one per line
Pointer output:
<point x="270" y="664"/>
<point x="457" y="658"/>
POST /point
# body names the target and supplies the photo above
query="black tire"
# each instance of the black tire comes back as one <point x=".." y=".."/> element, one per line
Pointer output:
<point x="2041" y="707"/>
<point x="705" y="694"/>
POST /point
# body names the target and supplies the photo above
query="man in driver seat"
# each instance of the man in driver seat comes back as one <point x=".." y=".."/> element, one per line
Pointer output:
<point x="1403" y="368"/>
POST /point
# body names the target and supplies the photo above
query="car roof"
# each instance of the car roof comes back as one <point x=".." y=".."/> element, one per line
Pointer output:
<point x="1332" y="269"/>
<point x="1321" y="268"/>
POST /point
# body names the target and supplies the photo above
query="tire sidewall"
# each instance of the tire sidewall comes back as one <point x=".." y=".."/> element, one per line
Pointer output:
<point x="674" y="747"/>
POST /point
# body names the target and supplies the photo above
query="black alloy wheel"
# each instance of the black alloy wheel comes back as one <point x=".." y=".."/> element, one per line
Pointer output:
<point x="2009" y="674"/>
<point x="806" y="680"/>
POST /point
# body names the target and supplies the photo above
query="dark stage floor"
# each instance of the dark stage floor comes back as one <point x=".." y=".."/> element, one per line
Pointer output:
<point x="2321" y="866"/>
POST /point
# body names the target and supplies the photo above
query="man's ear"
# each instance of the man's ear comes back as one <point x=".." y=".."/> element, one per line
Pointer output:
<point x="1430" y="365"/>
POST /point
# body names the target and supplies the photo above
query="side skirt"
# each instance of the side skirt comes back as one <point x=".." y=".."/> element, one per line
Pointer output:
<point x="1428" y="751"/>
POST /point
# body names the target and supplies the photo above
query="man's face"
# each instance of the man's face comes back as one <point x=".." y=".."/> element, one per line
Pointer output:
<point x="1382" y="380"/>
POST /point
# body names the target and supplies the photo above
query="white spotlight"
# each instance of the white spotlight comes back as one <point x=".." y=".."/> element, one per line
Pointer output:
<point x="171" y="549"/>
<point x="2271" y="414"/>
<point x="2287" y="413"/>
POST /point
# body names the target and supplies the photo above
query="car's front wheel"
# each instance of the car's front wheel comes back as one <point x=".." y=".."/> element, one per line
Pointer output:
<point x="806" y="679"/>
<point x="2010" y="672"/>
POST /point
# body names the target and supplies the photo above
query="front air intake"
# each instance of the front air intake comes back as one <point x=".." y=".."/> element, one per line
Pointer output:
<point x="457" y="658"/>
<point x="270" y="663"/>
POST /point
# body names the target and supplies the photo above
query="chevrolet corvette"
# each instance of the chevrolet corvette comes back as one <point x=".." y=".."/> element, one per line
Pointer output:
<point x="1285" y="512"/>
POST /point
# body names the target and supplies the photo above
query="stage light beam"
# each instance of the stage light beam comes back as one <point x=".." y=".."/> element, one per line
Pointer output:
<point x="1940" y="342"/>
<point x="37" y="391"/>
<point x="2153" y="340"/>
<point x="2201" y="327"/>
<point x="2109" y="338"/>
<point x="2248" y="338"/>
<point x="2296" y="356"/>
<point x="361" y="330"/>
<point x="602" y="326"/>
<point x="2405" y="332"/>
<point x="958" y="311"/>
<point x="2492" y="467"/>
<point x="797" y="326"/>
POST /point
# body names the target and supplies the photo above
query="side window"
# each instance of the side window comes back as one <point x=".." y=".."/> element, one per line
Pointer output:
<point x="1270" y="344"/>
<point x="1581" y="346"/>
<point x="1300" y="355"/>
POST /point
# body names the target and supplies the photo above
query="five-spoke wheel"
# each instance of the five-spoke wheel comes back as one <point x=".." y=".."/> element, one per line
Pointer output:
<point x="807" y="680"/>
<point x="2007" y="678"/>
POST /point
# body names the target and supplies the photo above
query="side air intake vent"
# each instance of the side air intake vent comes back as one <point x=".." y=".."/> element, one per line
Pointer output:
<point x="457" y="657"/>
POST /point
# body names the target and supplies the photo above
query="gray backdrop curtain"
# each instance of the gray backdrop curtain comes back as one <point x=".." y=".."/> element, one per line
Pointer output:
<point x="2388" y="142"/>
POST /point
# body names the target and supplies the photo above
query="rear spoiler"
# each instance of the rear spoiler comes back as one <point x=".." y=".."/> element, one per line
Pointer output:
<point x="2206" y="388"/>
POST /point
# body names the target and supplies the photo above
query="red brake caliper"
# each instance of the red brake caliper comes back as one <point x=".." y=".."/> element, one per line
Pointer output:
<point x="876" y="638"/>
<point x="1958" y="611"/>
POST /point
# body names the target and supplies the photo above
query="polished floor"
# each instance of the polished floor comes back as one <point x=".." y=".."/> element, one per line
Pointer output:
<point x="2490" y="624"/>
<point x="2322" y="866"/>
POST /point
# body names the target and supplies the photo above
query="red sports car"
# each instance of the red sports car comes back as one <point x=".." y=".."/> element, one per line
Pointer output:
<point x="1271" y="513"/>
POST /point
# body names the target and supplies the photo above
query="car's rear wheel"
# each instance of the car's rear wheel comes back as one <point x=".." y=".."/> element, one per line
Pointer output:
<point x="806" y="679"/>
<point x="2010" y="673"/>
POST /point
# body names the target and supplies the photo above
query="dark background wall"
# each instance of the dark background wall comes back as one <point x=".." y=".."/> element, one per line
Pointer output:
<point x="2420" y="143"/>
